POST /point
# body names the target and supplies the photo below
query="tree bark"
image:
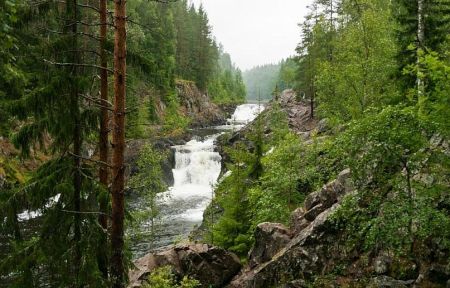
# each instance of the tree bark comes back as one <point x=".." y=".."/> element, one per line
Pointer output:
<point x="118" y="272"/>
<point x="103" y="143"/>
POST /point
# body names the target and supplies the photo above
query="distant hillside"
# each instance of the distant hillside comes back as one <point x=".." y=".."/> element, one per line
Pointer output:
<point x="261" y="80"/>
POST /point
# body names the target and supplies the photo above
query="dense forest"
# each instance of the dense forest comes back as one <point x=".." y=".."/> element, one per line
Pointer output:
<point x="342" y="181"/>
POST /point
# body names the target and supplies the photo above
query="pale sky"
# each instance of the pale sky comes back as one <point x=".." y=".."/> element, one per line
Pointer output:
<point x="256" y="32"/>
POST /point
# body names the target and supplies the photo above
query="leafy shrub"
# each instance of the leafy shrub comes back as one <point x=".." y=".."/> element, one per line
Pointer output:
<point x="163" y="277"/>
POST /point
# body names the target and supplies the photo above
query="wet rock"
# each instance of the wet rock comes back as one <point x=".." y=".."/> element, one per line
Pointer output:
<point x="212" y="266"/>
<point x="329" y="193"/>
<point x="303" y="256"/>
<point x="270" y="238"/>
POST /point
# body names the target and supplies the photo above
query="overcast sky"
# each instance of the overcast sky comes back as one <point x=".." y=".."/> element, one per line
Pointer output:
<point x="256" y="32"/>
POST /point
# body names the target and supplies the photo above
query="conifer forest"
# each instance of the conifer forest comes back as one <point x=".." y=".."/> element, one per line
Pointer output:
<point x="138" y="150"/>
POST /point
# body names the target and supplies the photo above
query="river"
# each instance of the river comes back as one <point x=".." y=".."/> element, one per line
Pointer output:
<point x="197" y="169"/>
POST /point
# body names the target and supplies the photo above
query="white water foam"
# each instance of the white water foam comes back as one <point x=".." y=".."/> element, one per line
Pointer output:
<point x="246" y="113"/>
<point x="243" y="115"/>
<point x="197" y="168"/>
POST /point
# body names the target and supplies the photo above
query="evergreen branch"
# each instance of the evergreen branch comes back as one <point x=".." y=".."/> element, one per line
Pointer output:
<point x="96" y="102"/>
<point x="91" y="160"/>
<point x="83" y="51"/>
<point x="77" y="64"/>
<point x="86" y="212"/>
<point x="86" y="6"/>
<point x="94" y="37"/>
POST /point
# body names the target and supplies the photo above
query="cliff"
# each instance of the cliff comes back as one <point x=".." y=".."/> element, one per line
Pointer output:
<point x="198" y="106"/>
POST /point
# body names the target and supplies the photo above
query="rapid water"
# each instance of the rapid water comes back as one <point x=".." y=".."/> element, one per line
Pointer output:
<point x="243" y="115"/>
<point x="197" y="169"/>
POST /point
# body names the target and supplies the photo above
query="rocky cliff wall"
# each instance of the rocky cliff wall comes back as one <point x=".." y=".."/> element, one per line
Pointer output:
<point x="198" y="106"/>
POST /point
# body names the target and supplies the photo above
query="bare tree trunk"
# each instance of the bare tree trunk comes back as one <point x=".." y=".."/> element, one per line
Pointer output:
<point x="118" y="272"/>
<point x="103" y="143"/>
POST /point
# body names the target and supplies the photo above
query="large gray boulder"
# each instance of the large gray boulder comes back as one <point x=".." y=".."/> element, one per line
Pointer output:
<point x="212" y="266"/>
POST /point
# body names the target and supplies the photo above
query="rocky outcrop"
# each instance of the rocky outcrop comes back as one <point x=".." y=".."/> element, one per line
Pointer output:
<point x="212" y="266"/>
<point x="270" y="238"/>
<point x="298" y="112"/>
<point x="309" y="252"/>
<point x="198" y="106"/>
<point x="316" y="249"/>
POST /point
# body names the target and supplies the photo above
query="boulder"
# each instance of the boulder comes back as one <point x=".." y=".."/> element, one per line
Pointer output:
<point x="270" y="238"/>
<point x="210" y="265"/>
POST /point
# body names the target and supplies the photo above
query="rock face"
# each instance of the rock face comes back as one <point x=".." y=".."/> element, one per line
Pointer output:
<point x="308" y="252"/>
<point x="212" y="266"/>
<point x="298" y="112"/>
<point x="198" y="105"/>
<point x="270" y="238"/>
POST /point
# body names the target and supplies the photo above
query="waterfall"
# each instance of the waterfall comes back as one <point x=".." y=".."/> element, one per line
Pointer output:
<point x="245" y="114"/>
<point x="196" y="172"/>
<point x="197" y="168"/>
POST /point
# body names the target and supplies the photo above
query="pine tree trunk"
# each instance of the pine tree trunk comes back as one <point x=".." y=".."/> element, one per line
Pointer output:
<point x="118" y="272"/>
<point x="103" y="143"/>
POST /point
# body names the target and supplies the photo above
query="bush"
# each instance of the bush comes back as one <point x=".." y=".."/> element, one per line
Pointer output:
<point x="163" y="277"/>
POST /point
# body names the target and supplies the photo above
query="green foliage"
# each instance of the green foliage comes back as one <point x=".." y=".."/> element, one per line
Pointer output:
<point x="148" y="184"/>
<point x="268" y="179"/>
<point x="227" y="86"/>
<point x="174" y="123"/>
<point x="436" y="21"/>
<point x="287" y="78"/>
<point x="277" y="195"/>
<point x="164" y="278"/>
<point x="46" y="255"/>
<point x="357" y="77"/>
<point x="396" y="204"/>
<point x="232" y="230"/>
<point x="435" y="103"/>
<point x="12" y="78"/>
